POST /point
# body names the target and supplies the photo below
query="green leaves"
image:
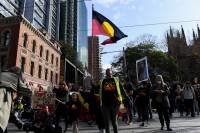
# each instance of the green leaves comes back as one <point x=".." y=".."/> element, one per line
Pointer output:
<point x="158" y="61"/>
<point x="69" y="53"/>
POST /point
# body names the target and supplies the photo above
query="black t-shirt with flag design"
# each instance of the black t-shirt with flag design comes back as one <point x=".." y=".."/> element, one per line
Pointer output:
<point x="109" y="92"/>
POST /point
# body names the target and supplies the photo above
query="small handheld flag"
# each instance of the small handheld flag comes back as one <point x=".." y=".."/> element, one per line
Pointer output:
<point x="103" y="26"/>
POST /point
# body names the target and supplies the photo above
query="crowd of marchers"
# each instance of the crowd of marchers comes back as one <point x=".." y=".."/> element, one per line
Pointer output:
<point x="103" y="102"/>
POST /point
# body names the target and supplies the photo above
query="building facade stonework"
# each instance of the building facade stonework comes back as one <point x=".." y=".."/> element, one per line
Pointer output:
<point x="24" y="46"/>
<point x="187" y="55"/>
<point x="94" y="59"/>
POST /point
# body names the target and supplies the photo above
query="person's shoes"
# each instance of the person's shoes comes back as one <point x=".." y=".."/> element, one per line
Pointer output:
<point x="142" y="124"/>
<point x="162" y="126"/>
<point x="65" y="131"/>
<point x="187" y="114"/>
<point x="130" y="123"/>
<point x="169" y="129"/>
<point x="139" y="120"/>
<point x="101" y="131"/>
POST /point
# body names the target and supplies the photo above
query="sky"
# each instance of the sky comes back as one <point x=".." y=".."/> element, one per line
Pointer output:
<point x="139" y="12"/>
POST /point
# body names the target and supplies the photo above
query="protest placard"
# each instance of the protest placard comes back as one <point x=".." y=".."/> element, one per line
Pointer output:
<point x="41" y="99"/>
<point x="142" y="69"/>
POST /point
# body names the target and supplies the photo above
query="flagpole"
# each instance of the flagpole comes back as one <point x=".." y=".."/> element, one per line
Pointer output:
<point x="92" y="43"/>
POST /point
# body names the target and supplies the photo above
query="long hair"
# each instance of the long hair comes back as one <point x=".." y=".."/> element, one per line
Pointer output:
<point x="64" y="83"/>
<point x="160" y="78"/>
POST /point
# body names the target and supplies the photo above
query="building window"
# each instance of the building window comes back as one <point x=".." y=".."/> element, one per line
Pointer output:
<point x="34" y="46"/>
<point x="56" y="61"/>
<point x="32" y="68"/>
<point x="6" y="37"/>
<point x="41" y="51"/>
<point x="25" y="40"/>
<point x="40" y="71"/>
<point x="52" y="58"/>
<point x="47" y="55"/>
<point x="23" y="62"/>
<point x="46" y="74"/>
<point x="3" y="61"/>
<point x="51" y="76"/>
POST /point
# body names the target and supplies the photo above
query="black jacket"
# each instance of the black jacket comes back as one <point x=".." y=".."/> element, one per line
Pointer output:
<point x="160" y="96"/>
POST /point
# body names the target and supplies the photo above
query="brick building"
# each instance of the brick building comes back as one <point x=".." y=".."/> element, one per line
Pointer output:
<point x="24" y="46"/>
<point x="94" y="60"/>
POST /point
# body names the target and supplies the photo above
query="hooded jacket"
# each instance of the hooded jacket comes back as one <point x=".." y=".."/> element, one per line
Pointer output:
<point x="160" y="95"/>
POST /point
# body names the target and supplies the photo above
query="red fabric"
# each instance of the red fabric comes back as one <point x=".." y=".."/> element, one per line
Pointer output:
<point x="97" y="28"/>
<point x="108" y="41"/>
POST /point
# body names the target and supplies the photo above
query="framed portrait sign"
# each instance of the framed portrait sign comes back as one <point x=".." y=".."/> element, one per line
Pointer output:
<point x="142" y="69"/>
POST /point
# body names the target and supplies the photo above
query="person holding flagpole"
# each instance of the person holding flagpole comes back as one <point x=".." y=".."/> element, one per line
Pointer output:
<point x="110" y="100"/>
<point x="110" y="88"/>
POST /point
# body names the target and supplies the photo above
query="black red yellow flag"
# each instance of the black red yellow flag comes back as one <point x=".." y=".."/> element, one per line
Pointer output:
<point x="103" y="26"/>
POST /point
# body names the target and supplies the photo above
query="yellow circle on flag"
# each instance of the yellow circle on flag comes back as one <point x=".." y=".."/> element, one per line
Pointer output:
<point x="108" y="29"/>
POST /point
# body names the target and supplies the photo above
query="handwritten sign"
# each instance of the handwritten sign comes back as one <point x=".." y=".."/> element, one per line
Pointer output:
<point x="42" y="99"/>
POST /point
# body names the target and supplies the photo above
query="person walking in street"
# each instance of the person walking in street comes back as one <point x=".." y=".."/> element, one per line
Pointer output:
<point x="62" y="94"/>
<point x="95" y="107"/>
<point x="189" y="98"/>
<point x="160" y="93"/>
<point x="178" y="99"/>
<point x="143" y="99"/>
<point x="128" y="86"/>
<point x="110" y="100"/>
<point x="196" y="87"/>
<point x="74" y="111"/>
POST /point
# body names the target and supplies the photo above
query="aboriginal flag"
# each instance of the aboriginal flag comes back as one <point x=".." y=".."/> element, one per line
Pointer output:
<point x="103" y="26"/>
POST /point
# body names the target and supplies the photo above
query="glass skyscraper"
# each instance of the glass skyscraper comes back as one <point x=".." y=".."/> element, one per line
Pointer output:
<point x="43" y="14"/>
<point x="10" y="8"/>
<point x="68" y="25"/>
<point x="82" y="33"/>
<point x="73" y="27"/>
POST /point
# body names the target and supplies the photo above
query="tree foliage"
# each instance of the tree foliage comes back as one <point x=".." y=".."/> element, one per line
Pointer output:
<point x="158" y="61"/>
<point x="69" y="53"/>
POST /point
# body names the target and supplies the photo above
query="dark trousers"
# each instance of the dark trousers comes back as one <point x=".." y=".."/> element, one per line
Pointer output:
<point x="1" y="130"/>
<point x="189" y="105"/>
<point x="143" y="110"/>
<point x="61" y="111"/>
<point x="99" y="118"/>
<point x="129" y="108"/>
<point x="180" y="106"/>
<point x="110" y="113"/>
<point x="163" y="114"/>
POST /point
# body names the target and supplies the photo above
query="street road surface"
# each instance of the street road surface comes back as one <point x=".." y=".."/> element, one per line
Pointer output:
<point x="179" y="125"/>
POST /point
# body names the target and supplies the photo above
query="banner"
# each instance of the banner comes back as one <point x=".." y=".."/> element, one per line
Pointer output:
<point x="41" y="99"/>
<point x="142" y="69"/>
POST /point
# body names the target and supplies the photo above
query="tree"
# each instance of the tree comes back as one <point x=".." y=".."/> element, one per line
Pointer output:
<point x="158" y="61"/>
<point x="69" y="53"/>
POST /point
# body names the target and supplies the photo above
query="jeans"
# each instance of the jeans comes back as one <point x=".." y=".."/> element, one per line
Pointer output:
<point x="163" y="114"/>
<point x="189" y="105"/>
